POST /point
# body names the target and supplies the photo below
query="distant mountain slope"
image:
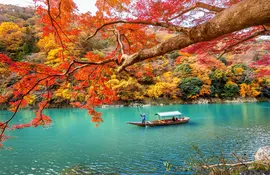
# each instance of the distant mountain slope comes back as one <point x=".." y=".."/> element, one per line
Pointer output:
<point x="16" y="14"/>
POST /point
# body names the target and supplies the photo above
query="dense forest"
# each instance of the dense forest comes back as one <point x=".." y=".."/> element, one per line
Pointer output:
<point x="179" y="76"/>
<point x="131" y="52"/>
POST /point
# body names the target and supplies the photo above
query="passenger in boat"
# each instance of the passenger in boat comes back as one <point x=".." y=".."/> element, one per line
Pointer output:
<point x="143" y="117"/>
<point x="173" y="119"/>
<point x="176" y="119"/>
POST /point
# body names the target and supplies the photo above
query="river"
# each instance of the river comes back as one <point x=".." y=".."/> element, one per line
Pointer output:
<point x="116" y="147"/>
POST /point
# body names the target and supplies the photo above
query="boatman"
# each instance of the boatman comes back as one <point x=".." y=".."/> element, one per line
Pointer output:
<point x="143" y="117"/>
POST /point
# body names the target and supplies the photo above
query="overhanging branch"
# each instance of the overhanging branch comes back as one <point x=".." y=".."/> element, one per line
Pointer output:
<point x="199" y="5"/>
<point x="159" y="24"/>
<point x="227" y="21"/>
<point x="229" y="48"/>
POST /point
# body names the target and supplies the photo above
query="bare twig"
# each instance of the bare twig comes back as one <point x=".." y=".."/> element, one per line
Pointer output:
<point x="118" y="36"/>
<point x="228" y="164"/>
<point x="199" y="5"/>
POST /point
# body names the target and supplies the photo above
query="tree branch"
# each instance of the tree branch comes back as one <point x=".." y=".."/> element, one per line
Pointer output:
<point x="198" y="5"/>
<point x="227" y="21"/>
<point x="228" y="164"/>
<point x="241" y="41"/>
<point x="159" y="24"/>
<point x="94" y="63"/>
<point x="118" y="36"/>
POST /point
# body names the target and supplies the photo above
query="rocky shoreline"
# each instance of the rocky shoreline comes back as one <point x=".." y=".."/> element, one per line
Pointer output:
<point x="162" y="101"/>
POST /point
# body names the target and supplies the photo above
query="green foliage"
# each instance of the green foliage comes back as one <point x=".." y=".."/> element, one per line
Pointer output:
<point x="190" y="86"/>
<point x="230" y="90"/>
<point x="173" y="55"/>
<point x="17" y="41"/>
<point x="219" y="79"/>
<point x="167" y="165"/>
<point x="265" y="84"/>
<point x="240" y="73"/>
<point x="223" y="60"/>
<point x="218" y="75"/>
<point x="234" y="67"/>
<point x="183" y="69"/>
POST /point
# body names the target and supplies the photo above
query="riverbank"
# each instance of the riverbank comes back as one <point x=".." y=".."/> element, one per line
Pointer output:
<point x="166" y="101"/>
<point x="160" y="102"/>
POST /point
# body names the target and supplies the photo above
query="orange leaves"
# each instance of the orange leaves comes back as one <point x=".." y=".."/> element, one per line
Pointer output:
<point x="76" y="104"/>
<point x="109" y="7"/>
<point x="57" y="17"/>
<point x="67" y="6"/>
<point x="2" y="99"/>
<point x="251" y="90"/>
<point x="96" y="116"/>
<point x="211" y="62"/>
<point x="95" y="57"/>
<point x="21" y="126"/>
<point x="41" y="120"/>
<point x="205" y="90"/>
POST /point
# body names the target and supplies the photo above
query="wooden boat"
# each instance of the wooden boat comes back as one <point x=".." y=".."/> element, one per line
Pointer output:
<point x="163" y="121"/>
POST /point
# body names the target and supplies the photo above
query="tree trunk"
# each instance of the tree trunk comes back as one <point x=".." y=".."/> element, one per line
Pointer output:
<point x="242" y="15"/>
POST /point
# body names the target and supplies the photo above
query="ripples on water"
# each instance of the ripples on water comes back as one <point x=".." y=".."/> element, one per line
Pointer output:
<point x="72" y="143"/>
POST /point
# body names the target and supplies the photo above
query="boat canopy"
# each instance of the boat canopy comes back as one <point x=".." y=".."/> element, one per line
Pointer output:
<point x="169" y="114"/>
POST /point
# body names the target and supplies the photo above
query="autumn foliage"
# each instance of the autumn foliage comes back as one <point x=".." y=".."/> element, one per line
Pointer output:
<point x="87" y="60"/>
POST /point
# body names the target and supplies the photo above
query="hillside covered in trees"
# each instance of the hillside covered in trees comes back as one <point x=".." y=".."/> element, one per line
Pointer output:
<point x="179" y="76"/>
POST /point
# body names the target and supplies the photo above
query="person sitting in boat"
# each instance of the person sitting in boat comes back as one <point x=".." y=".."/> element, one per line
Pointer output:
<point x="176" y="119"/>
<point x="143" y="117"/>
<point x="173" y="119"/>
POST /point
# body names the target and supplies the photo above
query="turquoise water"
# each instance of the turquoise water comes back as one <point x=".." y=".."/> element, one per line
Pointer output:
<point x="115" y="147"/>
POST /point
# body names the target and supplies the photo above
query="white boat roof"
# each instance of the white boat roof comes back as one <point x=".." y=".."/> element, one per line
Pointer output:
<point x="169" y="114"/>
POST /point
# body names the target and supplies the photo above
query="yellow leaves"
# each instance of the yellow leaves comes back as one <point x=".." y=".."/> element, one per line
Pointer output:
<point x="231" y="83"/>
<point x="113" y="83"/>
<point x="167" y="87"/>
<point x="162" y="89"/>
<point x="126" y="89"/>
<point x="156" y="90"/>
<point x="239" y="70"/>
<point x="30" y="99"/>
<point x="184" y="54"/>
<point x="11" y="36"/>
<point x="8" y="27"/>
<point x="47" y="43"/>
<point x="168" y="76"/>
<point x="251" y="90"/>
<point x="244" y="88"/>
<point x="53" y="58"/>
<point x="63" y="91"/>
<point x="121" y="84"/>
<point x="205" y="79"/>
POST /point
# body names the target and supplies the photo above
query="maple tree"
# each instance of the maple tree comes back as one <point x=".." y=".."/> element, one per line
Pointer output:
<point x="130" y="30"/>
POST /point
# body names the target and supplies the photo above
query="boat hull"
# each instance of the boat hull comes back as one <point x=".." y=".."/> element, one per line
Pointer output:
<point x="167" y="122"/>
